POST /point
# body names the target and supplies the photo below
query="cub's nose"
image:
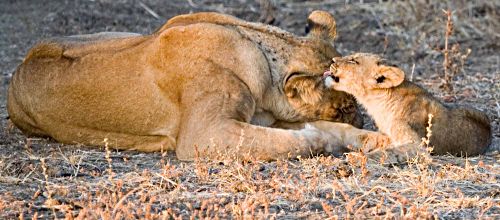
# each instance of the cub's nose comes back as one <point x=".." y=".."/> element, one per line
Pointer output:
<point x="336" y="79"/>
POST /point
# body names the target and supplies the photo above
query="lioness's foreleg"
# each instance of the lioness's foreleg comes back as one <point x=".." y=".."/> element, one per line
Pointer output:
<point x="217" y="123"/>
<point x="352" y="137"/>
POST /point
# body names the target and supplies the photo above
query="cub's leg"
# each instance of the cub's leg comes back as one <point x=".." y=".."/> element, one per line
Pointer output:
<point x="462" y="132"/>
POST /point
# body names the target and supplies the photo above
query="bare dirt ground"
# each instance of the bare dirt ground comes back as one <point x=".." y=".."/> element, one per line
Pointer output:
<point x="40" y="178"/>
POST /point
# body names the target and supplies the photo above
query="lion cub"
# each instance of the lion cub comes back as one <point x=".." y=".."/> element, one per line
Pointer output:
<point x="400" y="108"/>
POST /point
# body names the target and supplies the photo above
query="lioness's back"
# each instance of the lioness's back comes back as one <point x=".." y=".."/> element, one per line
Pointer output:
<point x="80" y="45"/>
<point x="86" y="87"/>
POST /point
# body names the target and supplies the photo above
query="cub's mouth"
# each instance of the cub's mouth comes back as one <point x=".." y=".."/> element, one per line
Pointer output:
<point x="330" y="79"/>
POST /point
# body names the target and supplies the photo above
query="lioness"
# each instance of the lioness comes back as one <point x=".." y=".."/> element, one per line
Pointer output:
<point x="400" y="108"/>
<point x="203" y="84"/>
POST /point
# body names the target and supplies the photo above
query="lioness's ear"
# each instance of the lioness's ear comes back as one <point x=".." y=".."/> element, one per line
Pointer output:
<point x="388" y="76"/>
<point x="303" y="88"/>
<point x="321" y="24"/>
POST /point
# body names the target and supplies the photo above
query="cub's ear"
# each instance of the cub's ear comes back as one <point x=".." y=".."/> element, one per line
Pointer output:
<point x="303" y="89"/>
<point x="321" y="24"/>
<point x="388" y="77"/>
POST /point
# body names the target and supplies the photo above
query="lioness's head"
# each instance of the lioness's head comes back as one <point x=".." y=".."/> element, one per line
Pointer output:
<point x="361" y="74"/>
<point x="302" y="82"/>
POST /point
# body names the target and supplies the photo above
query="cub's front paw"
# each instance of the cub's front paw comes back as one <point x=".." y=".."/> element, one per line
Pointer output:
<point x="397" y="154"/>
<point x="371" y="141"/>
<point x="386" y="156"/>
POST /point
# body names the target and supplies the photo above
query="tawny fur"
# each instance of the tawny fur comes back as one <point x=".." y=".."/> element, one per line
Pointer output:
<point x="400" y="108"/>
<point x="194" y="86"/>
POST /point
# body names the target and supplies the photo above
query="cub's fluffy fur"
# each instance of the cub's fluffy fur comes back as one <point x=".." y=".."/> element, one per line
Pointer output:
<point x="401" y="108"/>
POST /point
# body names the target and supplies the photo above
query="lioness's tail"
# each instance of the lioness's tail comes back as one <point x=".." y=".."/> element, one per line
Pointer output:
<point x="45" y="49"/>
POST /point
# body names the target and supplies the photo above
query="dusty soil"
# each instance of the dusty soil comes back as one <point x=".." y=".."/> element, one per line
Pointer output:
<point x="41" y="178"/>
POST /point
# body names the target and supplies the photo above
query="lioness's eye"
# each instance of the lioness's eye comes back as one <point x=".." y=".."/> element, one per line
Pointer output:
<point x="294" y="74"/>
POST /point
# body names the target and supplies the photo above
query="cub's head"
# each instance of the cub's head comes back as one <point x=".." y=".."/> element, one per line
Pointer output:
<point x="304" y="67"/>
<point x="361" y="74"/>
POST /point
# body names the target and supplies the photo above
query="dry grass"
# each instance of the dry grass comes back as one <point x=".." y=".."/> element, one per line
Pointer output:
<point x="319" y="187"/>
<point x="43" y="179"/>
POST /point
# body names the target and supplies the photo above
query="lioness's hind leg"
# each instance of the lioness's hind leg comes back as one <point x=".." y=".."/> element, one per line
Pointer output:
<point x="21" y="119"/>
<point x="73" y="134"/>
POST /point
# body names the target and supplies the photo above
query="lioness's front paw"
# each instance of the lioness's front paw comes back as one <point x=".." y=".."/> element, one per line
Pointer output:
<point x="327" y="139"/>
<point x="321" y="141"/>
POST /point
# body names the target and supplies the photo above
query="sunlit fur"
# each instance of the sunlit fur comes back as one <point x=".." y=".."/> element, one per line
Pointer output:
<point x="193" y="86"/>
<point x="400" y="108"/>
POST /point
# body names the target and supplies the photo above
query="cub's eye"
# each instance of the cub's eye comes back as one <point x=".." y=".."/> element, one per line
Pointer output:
<point x="352" y="61"/>
<point x="385" y="63"/>
<point x="334" y="60"/>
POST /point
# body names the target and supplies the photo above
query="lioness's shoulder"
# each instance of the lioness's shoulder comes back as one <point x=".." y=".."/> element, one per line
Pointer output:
<point x="202" y="17"/>
<point x="224" y="20"/>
